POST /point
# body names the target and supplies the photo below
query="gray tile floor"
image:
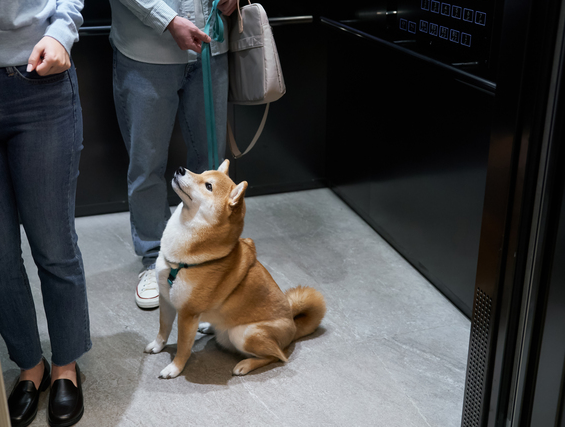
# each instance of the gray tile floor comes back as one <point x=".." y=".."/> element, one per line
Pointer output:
<point x="390" y="352"/>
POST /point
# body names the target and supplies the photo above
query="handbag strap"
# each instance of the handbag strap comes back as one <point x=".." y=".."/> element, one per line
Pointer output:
<point x="240" y="20"/>
<point x="233" y="146"/>
<point x="217" y="35"/>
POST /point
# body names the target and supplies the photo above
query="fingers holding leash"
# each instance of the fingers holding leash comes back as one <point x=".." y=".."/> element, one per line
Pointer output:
<point x="187" y="35"/>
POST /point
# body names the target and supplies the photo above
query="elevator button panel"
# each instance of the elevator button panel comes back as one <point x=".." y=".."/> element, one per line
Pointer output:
<point x="468" y="15"/>
<point x="446" y="9"/>
<point x="458" y="29"/>
<point x="466" y="39"/>
<point x="452" y="11"/>
<point x="424" y="26"/>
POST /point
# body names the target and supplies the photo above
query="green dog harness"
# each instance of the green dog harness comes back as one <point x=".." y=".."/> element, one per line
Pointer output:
<point x="174" y="271"/>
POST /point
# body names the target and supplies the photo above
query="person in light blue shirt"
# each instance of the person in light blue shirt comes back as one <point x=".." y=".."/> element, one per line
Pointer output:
<point x="157" y="76"/>
<point x="40" y="145"/>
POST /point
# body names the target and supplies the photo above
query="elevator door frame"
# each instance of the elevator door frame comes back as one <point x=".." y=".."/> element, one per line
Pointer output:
<point x="522" y="197"/>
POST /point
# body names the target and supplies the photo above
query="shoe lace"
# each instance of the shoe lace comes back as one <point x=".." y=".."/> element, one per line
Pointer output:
<point x="148" y="280"/>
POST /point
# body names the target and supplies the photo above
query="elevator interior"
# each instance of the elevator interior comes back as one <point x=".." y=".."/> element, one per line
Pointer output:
<point x="400" y="129"/>
<point x="393" y="108"/>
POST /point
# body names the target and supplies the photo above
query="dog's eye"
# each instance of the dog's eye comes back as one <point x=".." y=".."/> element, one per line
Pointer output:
<point x="208" y="186"/>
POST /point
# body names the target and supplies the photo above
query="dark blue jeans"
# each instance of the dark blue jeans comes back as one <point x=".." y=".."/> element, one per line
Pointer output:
<point x="40" y="145"/>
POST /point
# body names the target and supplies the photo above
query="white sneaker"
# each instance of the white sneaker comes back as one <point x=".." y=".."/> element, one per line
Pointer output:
<point x="147" y="291"/>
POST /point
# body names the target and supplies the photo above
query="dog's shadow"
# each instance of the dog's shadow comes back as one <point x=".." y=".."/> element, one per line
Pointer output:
<point x="210" y="363"/>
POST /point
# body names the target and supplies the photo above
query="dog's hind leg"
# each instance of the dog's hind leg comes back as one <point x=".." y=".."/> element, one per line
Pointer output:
<point x="188" y="326"/>
<point x="265" y="349"/>
<point x="248" y="365"/>
<point x="167" y="314"/>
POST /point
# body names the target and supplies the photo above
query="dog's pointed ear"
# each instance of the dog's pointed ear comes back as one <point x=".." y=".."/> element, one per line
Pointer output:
<point x="237" y="194"/>
<point x="224" y="167"/>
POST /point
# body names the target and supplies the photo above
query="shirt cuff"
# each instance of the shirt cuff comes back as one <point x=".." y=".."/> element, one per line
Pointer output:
<point x="66" y="35"/>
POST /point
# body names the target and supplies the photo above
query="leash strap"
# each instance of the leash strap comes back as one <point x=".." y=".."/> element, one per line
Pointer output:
<point x="217" y="35"/>
<point x="213" y="163"/>
<point x="173" y="273"/>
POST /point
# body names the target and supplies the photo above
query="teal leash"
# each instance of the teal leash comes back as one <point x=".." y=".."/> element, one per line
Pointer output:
<point x="213" y="162"/>
<point x="217" y="35"/>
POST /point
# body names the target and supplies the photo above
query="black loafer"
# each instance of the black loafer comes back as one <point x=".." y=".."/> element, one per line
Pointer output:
<point x="66" y="404"/>
<point x="24" y="398"/>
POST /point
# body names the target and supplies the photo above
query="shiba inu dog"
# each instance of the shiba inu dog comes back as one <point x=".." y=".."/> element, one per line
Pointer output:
<point x="207" y="273"/>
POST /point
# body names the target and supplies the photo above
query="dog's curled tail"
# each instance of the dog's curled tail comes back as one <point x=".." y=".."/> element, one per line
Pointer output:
<point x="308" y="309"/>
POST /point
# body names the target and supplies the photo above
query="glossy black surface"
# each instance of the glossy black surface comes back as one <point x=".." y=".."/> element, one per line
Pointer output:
<point x="102" y="185"/>
<point x="458" y="33"/>
<point x="96" y="13"/>
<point x="290" y="154"/>
<point x="547" y="403"/>
<point x="66" y="402"/>
<point x="24" y="398"/>
<point x="407" y="148"/>
<point x="516" y="237"/>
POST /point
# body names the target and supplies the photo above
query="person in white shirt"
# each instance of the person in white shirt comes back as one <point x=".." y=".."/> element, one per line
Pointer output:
<point x="157" y="76"/>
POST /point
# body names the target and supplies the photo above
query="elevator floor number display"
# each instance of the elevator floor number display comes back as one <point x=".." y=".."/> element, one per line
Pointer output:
<point x="455" y="15"/>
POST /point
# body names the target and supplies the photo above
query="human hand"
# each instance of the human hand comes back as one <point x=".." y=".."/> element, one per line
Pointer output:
<point x="187" y="35"/>
<point x="48" y="57"/>
<point x="227" y="6"/>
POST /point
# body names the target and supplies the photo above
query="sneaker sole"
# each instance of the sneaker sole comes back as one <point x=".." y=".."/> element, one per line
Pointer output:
<point x="147" y="303"/>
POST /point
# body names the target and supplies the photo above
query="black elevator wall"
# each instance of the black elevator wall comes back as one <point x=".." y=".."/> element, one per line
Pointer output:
<point x="290" y="155"/>
<point x="102" y="185"/>
<point x="408" y="146"/>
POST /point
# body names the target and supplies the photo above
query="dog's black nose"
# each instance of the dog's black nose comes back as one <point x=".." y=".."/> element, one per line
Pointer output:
<point x="181" y="171"/>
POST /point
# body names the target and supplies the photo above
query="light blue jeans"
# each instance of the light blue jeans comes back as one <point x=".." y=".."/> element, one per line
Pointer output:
<point x="148" y="98"/>
<point x="40" y="145"/>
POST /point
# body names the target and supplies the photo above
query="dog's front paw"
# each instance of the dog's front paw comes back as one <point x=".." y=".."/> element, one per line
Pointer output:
<point x="171" y="371"/>
<point x="154" y="347"/>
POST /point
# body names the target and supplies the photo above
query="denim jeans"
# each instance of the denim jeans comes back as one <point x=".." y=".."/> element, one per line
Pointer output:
<point x="148" y="98"/>
<point x="40" y="144"/>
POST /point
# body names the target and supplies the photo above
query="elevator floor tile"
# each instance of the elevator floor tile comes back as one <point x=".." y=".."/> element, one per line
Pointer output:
<point x="391" y="350"/>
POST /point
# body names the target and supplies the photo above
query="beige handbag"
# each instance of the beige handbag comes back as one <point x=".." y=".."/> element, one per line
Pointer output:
<point x="254" y="67"/>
